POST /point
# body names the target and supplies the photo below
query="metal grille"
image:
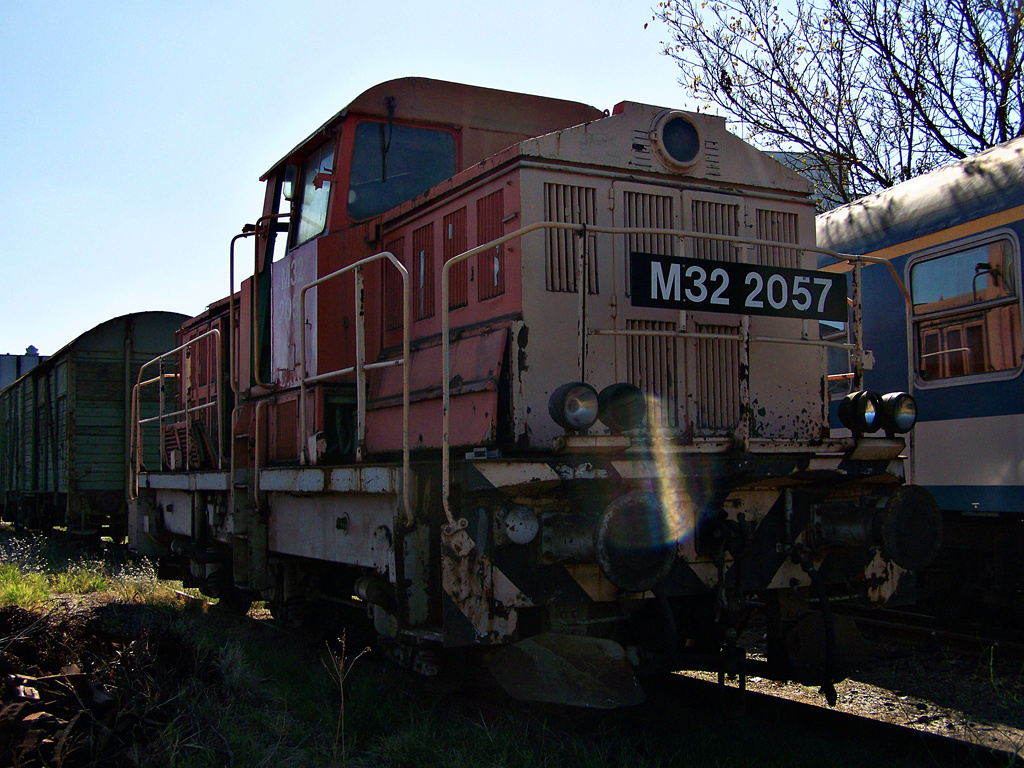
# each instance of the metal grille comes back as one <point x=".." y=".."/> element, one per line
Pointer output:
<point x="423" y="271"/>
<point x="490" y="265"/>
<point x="715" y="218"/>
<point x="572" y="205"/>
<point x="716" y="385"/>
<point x="649" y="211"/>
<point x="654" y="367"/>
<point x="781" y="227"/>
<point x="391" y="286"/>
<point x="455" y="243"/>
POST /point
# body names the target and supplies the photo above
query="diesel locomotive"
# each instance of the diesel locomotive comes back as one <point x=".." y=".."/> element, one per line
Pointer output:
<point x="518" y="380"/>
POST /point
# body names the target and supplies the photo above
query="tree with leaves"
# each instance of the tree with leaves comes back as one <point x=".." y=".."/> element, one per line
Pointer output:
<point x="866" y="93"/>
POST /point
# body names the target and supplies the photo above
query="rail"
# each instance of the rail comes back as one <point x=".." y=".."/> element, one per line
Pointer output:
<point x="362" y="366"/>
<point x="581" y="231"/>
<point x="247" y="231"/>
<point x="136" y="442"/>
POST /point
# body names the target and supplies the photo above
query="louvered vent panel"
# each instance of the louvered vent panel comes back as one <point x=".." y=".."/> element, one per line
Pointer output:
<point x="716" y="388"/>
<point x="490" y="265"/>
<point x="571" y="205"/>
<point x="654" y="366"/>
<point x="648" y="211"/>
<point x="423" y="272"/>
<point x="715" y="218"/>
<point x="780" y="227"/>
<point x="391" y="290"/>
<point x="455" y="243"/>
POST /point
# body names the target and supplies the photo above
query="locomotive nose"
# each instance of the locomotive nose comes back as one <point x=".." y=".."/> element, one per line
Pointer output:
<point x="635" y="541"/>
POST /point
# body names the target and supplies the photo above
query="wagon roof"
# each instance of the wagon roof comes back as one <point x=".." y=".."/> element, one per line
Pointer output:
<point x="985" y="183"/>
<point x="147" y="317"/>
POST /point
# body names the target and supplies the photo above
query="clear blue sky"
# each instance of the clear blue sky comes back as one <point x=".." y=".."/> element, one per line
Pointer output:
<point x="133" y="134"/>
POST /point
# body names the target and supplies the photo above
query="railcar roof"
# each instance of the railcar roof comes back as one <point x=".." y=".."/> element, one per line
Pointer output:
<point x="145" y="317"/>
<point x="980" y="185"/>
<point x="422" y="99"/>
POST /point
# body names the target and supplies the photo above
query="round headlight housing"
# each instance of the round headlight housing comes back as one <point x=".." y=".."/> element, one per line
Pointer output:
<point x="899" y="412"/>
<point x="676" y="140"/>
<point x="574" y="406"/>
<point x="861" y="412"/>
<point x="623" y="407"/>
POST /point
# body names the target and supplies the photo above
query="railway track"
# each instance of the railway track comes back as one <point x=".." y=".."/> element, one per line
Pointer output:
<point x="922" y="628"/>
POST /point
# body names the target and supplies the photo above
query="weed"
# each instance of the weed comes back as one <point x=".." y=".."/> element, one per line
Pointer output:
<point x="339" y="670"/>
<point x="18" y="587"/>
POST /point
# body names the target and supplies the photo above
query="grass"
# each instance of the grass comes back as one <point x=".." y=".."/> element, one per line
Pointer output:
<point x="33" y="569"/>
<point x="210" y="691"/>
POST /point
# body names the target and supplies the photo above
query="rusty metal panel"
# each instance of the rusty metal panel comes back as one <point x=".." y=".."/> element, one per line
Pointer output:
<point x="283" y="431"/>
<point x="454" y="238"/>
<point x="490" y="266"/>
<point x="423" y="272"/>
<point x="716" y="386"/>
<point x="287" y="278"/>
<point x="651" y="210"/>
<point x="715" y="216"/>
<point x="475" y="365"/>
<point x="391" y="287"/>
<point x="653" y="365"/>
<point x="783" y="227"/>
<point x="570" y="204"/>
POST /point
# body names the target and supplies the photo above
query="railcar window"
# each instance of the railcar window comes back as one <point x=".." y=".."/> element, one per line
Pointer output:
<point x="967" y="317"/>
<point x="392" y="164"/>
<point x="311" y="208"/>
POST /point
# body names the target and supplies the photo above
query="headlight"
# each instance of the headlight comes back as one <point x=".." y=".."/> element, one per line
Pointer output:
<point x="574" y="406"/>
<point x="861" y="412"/>
<point x="623" y="407"/>
<point x="899" y="412"/>
<point x="676" y="140"/>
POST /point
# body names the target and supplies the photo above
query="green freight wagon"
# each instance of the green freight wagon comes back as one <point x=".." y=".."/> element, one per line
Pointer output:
<point x="64" y="437"/>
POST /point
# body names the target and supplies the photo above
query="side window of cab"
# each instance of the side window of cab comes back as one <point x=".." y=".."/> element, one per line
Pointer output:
<point x="310" y="205"/>
<point x="394" y="163"/>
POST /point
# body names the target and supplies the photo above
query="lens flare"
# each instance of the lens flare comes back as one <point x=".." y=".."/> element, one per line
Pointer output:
<point x="678" y="512"/>
<point x="640" y="533"/>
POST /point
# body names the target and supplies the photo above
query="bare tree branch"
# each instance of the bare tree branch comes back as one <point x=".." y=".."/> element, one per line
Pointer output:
<point x="866" y="93"/>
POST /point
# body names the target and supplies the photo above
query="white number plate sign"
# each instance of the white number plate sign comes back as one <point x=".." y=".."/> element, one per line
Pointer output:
<point x="671" y="282"/>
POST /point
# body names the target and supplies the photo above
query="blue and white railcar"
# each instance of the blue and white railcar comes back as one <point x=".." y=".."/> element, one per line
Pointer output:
<point x="954" y="235"/>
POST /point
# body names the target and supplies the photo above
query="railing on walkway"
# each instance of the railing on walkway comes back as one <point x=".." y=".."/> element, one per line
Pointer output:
<point x="361" y="366"/>
<point x="138" y="421"/>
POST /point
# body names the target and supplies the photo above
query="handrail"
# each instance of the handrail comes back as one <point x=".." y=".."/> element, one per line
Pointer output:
<point x="135" y="437"/>
<point x="247" y="231"/>
<point x="254" y="299"/>
<point x="362" y="366"/>
<point x="582" y="230"/>
<point x="162" y="415"/>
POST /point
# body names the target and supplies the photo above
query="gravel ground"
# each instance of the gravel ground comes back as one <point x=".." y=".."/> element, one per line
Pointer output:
<point x="978" y="699"/>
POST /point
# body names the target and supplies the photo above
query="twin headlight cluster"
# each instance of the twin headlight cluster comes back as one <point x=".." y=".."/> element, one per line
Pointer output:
<point x="866" y="412"/>
<point x="576" y="406"/>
